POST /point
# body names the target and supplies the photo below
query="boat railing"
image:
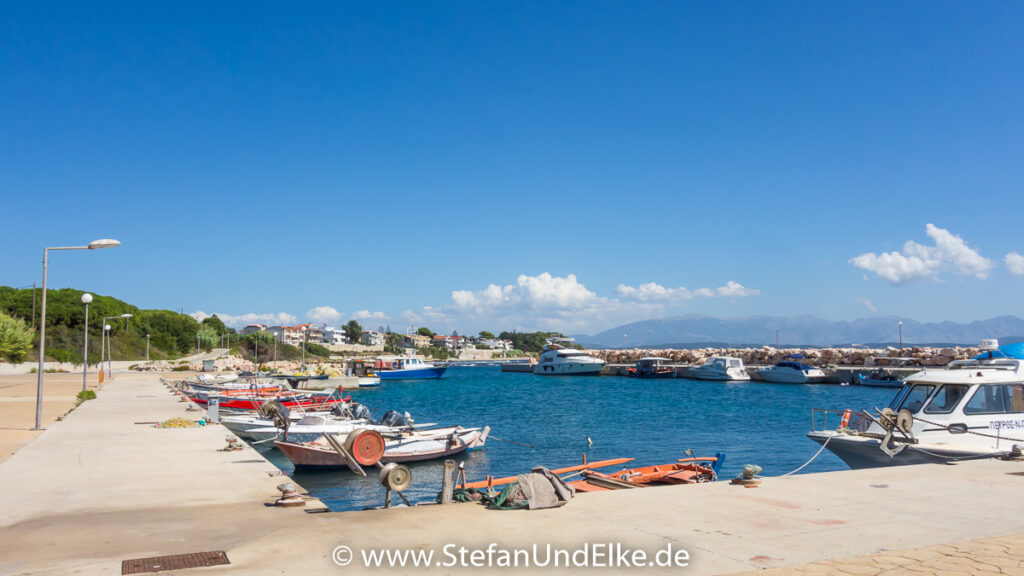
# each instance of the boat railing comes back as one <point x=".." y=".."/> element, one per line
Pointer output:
<point x="856" y="421"/>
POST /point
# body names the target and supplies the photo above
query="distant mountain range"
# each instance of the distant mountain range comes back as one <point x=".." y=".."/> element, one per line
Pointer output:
<point x="696" y="329"/>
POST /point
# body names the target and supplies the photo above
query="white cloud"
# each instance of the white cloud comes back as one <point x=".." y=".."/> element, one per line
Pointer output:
<point x="866" y="303"/>
<point x="1015" y="263"/>
<point x="916" y="261"/>
<point x="546" y="302"/>
<point x="652" y="292"/>
<point x="541" y="291"/>
<point x="240" y="321"/>
<point x="323" y="314"/>
<point x="367" y="315"/>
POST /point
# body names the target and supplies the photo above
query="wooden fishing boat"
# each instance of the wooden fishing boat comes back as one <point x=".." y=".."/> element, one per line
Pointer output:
<point x="685" y="471"/>
<point x="407" y="446"/>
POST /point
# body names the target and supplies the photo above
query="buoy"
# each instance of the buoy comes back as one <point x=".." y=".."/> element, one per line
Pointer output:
<point x="846" y="419"/>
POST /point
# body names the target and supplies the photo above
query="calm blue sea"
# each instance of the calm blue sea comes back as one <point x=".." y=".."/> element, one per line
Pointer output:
<point x="538" y="420"/>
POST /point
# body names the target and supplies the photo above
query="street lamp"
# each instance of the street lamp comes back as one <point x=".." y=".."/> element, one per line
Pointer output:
<point x="86" y="298"/>
<point x="303" y="347"/>
<point x="106" y="333"/>
<point x="94" y="245"/>
<point x="110" y="343"/>
<point x="901" y="338"/>
<point x="147" y="347"/>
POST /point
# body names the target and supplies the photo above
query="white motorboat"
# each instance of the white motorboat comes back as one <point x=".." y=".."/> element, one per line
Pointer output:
<point x="242" y="424"/>
<point x="971" y="409"/>
<point x="790" y="372"/>
<point x="720" y="368"/>
<point x="556" y="360"/>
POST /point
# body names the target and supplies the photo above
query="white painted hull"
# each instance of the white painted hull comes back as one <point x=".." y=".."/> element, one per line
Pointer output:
<point x="791" y="376"/>
<point x="730" y="375"/>
<point x="569" y="368"/>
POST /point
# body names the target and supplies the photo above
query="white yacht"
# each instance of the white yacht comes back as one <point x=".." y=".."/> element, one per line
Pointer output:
<point x="791" y="372"/>
<point x="971" y="409"/>
<point x="557" y="360"/>
<point x="720" y="368"/>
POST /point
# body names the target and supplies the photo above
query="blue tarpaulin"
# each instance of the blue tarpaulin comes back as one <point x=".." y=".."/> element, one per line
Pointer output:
<point x="1006" y="351"/>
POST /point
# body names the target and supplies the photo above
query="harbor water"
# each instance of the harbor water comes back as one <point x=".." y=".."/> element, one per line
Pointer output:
<point x="545" y="421"/>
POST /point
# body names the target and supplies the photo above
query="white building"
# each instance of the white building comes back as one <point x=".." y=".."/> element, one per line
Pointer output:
<point x="333" y="336"/>
<point x="372" y="338"/>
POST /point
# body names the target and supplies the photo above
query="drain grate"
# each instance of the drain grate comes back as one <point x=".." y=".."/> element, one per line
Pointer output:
<point x="175" y="562"/>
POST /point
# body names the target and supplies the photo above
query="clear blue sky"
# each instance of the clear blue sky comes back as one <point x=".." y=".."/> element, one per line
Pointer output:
<point x="391" y="161"/>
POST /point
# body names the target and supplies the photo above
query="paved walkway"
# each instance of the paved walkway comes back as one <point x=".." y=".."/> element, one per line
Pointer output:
<point x="986" y="557"/>
<point x="104" y="486"/>
<point x="18" y="405"/>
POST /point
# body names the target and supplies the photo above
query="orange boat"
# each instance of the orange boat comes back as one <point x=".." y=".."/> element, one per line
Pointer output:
<point x="684" y="471"/>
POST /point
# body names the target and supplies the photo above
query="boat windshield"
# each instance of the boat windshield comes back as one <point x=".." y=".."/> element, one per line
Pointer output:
<point x="915" y="398"/>
<point x="898" y="398"/>
<point x="946" y="399"/>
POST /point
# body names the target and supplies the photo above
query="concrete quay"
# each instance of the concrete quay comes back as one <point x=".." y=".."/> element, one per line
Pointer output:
<point x="104" y="485"/>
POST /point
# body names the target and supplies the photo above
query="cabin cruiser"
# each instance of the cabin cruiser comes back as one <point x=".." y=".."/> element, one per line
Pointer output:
<point x="557" y="360"/>
<point x="971" y="409"/>
<point x="791" y="372"/>
<point x="408" y="367"/>
<point x="720" y="368"/>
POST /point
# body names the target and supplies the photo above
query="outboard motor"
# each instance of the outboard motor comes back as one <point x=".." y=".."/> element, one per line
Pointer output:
<point x="393" y="419"/>
<point x="361" y="412"/>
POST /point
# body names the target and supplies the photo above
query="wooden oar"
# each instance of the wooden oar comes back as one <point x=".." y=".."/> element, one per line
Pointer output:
<point x="509" y="479"/>
<point x="706" y="459"/>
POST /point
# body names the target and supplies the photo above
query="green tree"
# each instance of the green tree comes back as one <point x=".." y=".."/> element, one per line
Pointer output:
<point x="393" y="343"/>
<point x="217" y="324"/>
<point x="486" y="334"/>
<point x="424" y="331"/>
<point x="15" y="338"/>
<point x="353" y="331"/>
<point x="437" y="352"/>
<point x="208" y="337"/>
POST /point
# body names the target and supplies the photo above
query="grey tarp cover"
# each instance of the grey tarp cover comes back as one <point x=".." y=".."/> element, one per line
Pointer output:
<point x="542" y="489"/>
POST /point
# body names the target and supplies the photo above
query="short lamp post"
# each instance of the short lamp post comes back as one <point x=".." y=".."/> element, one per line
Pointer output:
<point x="94" y="245"/>
<point x="86" y="298"/>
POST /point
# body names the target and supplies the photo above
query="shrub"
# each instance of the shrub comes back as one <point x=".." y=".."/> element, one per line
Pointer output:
<point x="86" y="395"/>
<point x="15" y="338"/>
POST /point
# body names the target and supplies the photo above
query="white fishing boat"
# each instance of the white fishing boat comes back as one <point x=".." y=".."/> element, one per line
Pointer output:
<point x="720" y="368"/>
<point x="312" y="426"/>
<point x="241" y="425"/>
<point x="791" y="371"/>
<point x="971" y="409"/>
<point x="557" y="360"/>
<point x="407" y="446"/>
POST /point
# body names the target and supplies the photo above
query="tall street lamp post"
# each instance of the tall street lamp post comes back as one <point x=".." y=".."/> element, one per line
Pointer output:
<point x="110" y="343"/>
<point x="94" y="245"/>
<point x="86" y="298"/>
<point x="901" y="338"/>
<point x="106" y="334"/>
<point x="147" y="347"/>
<point x="303" y="347"/>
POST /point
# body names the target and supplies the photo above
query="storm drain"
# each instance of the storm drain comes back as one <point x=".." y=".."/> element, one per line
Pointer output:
<point x="175" y="562"/>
